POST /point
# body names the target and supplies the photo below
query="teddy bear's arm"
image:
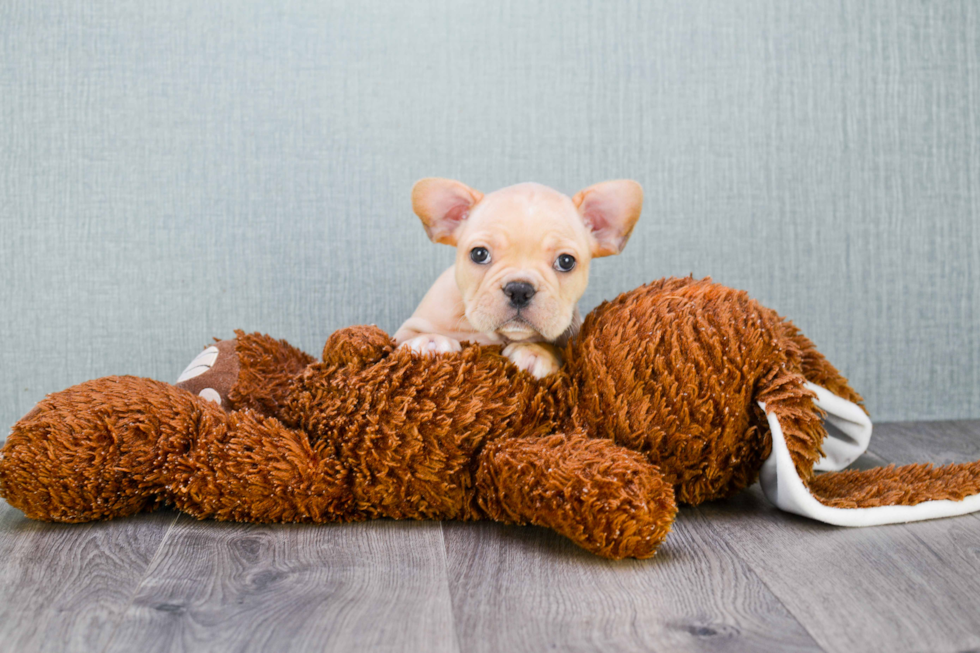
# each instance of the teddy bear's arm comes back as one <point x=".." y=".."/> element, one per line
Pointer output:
<point x="607" y="499"/>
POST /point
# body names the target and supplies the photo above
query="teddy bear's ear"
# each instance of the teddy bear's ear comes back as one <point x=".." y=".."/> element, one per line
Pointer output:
<point x="442" y="205"/>
<point x="610" y="210"/>
<point x="357" y="345"/>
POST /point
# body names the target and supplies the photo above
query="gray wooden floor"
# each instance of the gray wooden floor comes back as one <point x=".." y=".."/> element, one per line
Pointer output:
<point x="733" y="575"/>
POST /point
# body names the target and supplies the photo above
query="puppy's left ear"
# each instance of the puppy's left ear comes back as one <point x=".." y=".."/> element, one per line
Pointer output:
<point x="610" y="210"/>
<point x="442" y="205"/>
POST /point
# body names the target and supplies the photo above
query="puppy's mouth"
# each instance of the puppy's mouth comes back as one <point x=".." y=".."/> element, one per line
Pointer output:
<point x="517" y="328"/>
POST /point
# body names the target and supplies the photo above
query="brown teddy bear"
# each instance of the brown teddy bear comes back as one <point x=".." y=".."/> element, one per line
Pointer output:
<point x="678" y="391"/>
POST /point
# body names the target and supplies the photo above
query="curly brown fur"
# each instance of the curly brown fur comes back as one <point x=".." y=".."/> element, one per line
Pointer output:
<point x="659" y="398"/>
<point x="674" y="369"/>
<point x="267" y="368"/>
<point x="118" y="445"/>
<point x="122" y="444"/>
<point x="816" y="368"/>
<point x="897" y="486"/>
<point x="599" y="495"/>
<point x="412" y="426"/>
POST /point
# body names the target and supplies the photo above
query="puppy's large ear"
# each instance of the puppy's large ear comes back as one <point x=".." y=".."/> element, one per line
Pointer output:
<point x="610" y="210"/>
<point x="442" y="204"/>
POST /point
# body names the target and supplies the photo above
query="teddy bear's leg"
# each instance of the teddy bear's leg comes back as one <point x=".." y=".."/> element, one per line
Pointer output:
<point x="115" y="446"/>
<point x="250" y="467"/>
<point x="606" y="498"/>
<point x="250" y="371"/>
<point x="86" y="452"/>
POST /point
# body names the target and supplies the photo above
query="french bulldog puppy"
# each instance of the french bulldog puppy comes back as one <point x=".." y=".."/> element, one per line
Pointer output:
<point x="522" y="264"/>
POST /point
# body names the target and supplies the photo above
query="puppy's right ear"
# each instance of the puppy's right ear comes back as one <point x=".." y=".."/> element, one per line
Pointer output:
<point x="442" y="205"/>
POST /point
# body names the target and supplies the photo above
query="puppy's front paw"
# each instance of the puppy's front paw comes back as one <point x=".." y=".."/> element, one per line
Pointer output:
<point x="431" y="344"/>
<point x="537" y="358"/>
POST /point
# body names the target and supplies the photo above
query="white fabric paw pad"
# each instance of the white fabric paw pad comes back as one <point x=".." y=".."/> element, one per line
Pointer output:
<point x="210" y="394"/>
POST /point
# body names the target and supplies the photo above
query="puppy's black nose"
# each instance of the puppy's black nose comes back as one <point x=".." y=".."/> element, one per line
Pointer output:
<point x="520" y="293"/>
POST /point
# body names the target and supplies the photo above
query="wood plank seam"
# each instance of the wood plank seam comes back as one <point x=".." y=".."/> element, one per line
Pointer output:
<point x="136" y="589"/>
<point x="748" y="564"/>
<point x="449" y="590"/>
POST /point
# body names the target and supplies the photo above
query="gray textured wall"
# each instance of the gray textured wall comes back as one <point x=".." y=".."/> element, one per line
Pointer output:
<point x="172" y="170"/>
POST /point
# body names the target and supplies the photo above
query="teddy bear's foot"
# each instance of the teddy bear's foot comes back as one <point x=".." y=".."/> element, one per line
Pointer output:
<point x="212" y="373"/>
<point x="605" y="498"/>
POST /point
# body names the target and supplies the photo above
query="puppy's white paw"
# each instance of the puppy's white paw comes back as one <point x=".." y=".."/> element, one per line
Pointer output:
<point x="431" y="344"/>
<point x="538" y="359"/>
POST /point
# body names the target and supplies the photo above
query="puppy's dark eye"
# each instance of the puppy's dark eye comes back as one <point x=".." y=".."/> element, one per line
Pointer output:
<point x="480" y="255"/>
<point x="565" y="263"/>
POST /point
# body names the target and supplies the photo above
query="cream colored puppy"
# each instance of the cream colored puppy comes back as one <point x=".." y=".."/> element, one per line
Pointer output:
<point x="522" y="264"/>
